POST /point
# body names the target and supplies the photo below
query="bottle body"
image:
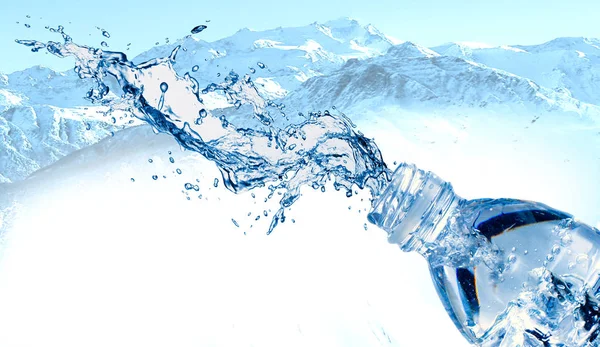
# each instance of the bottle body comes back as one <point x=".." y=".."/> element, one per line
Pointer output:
<point x="487" y="258"/>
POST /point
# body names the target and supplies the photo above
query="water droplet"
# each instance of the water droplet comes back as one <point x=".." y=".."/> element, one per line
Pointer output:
<point x="512" y="258"/>
<point x="261" y="65"/>
<point x="556" y="249"/>
<point x="365" y="226"/>
<point x="104" y="44"/>
<point x="178" y="171"/>
<point x="202" y="113"/>
<point x="188" y="186"/>
<point x="349" y="193"/>
<point x="132" y="179"/>
<point x="87" y="126"/>
<point x="171" y="160"/>
<point x="113" y="120"/>
<point x="323" y="189"/>
<point x="154" y="177"/>
<point x="105" y="34"/>
<point x="235" y="222"/>
<point x="164" y="87"/>
<point x="252" y="70"/>
<point x="195" y="68"/>
<point x="216" y="182"/>
<point x="526" y="252"/>
<point x="27" y="16"/>
<point x="150" y="160"/>
<point x="199" y="28"/>
<point x="27" y="25"/>
<point x="218" y="74"/>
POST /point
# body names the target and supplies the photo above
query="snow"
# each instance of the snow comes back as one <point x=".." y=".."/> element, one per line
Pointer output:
<point x="187" y="275"/>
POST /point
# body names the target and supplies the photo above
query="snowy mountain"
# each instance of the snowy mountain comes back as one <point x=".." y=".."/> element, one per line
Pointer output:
<point x="32" y="137"/>
<point x="290" y="55"/>
<point x="569" y="64"/>
<point x="339" y="62"/>
<point x="415" y="77"/>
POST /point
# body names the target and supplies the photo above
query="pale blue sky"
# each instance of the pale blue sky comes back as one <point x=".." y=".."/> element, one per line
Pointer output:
<point x="427" y="22"/>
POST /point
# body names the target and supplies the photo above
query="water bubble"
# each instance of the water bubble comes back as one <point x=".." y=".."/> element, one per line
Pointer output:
<point x="154" y="177"/>
<point x="526" y="252"/>
<point x="323" y="189"/>
<point x="218" y="74"/>
<point x="261" y="65"/>
<point x="216" y="182"/>
<point x="132" y="179"/>
<point x="27" y="25"/>
<point x="113" y="120"/>
<point x="195" y="68"/>
<point x="556" y="249"/>
<point x="365" y="226"/>
<point x="566" y="240"/>
<point x="164" y="87"/>
<point x="582" y="258"/>
<point x="188" y="186"/>
<point x="252" y="70"/>
<point x="265" y="213"/>
<point x="150" y="160"/>
<point x="196" y="188"/>
<point x="105" y="34"/>
<point x="87" y="126"/>
<point x="512" y="258"/>
<point x="171" y="160"/>
<point x="104" y="44"/>
<point x="178" y="171"/>
<point x="349" y="193"/>
<point x="27" y="16"/>
<point x="199" y="28"/>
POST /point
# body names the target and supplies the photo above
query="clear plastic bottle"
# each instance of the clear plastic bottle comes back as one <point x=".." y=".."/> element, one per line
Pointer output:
<point x="509" y="272"/>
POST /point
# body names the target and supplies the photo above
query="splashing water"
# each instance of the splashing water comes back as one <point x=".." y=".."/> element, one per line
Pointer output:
<point x="309" y="153"/>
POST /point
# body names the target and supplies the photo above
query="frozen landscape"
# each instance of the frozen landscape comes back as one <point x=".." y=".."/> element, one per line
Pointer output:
<point x="91" y="239"/>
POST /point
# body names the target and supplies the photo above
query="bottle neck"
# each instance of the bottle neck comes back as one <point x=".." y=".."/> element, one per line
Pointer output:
<point x="414" y="208"/>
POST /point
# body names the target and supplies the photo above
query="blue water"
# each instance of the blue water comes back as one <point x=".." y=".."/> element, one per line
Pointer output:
<point x="283" y="158"/>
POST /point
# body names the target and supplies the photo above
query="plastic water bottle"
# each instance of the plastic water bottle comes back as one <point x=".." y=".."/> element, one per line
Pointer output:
<point x="509" y="272"/>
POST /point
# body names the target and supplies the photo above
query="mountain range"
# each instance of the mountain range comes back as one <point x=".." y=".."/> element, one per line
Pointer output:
<point x="341" y="63"/>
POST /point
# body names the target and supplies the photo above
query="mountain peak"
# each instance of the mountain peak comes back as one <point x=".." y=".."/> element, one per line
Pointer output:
<point x="342" y="22"/>
<point x="584" y="44"/>
<point x="410" y="50"/>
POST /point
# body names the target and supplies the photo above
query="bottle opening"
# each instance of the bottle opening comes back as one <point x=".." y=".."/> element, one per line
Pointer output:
<point x="414" y="207"/>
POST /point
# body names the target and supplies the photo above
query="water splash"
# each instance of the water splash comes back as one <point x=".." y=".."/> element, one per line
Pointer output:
<point x="199" y="28"/>
<point x="322" y="147"/>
